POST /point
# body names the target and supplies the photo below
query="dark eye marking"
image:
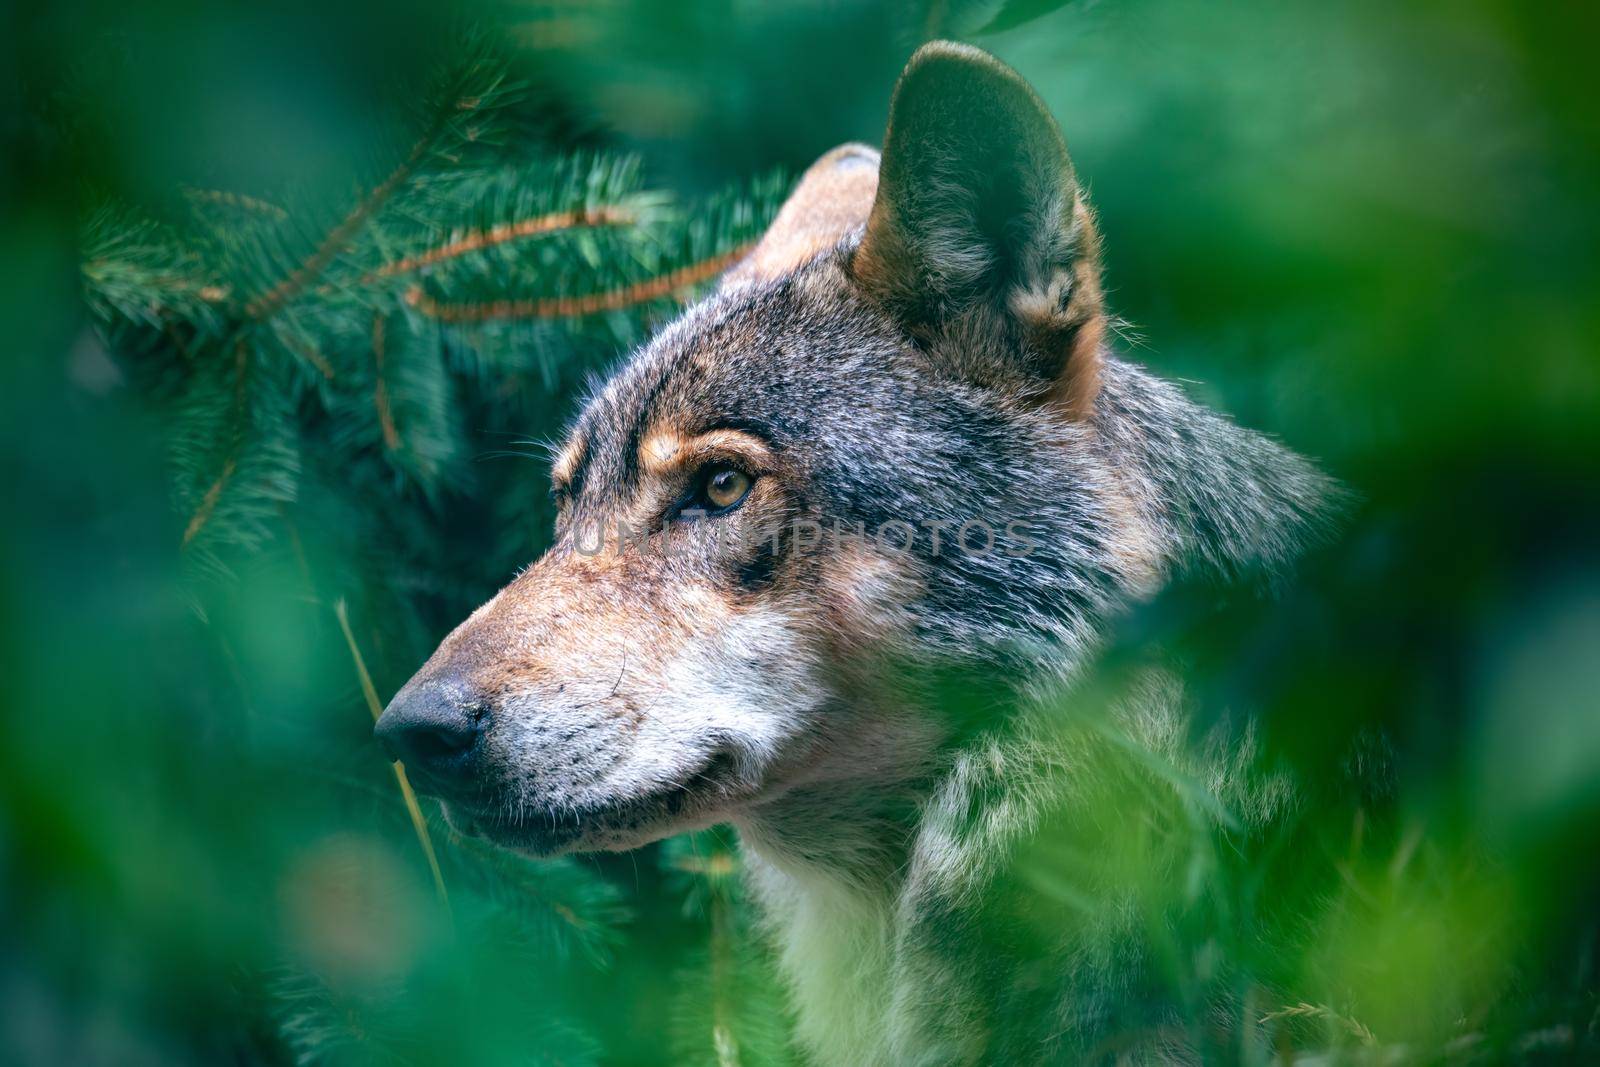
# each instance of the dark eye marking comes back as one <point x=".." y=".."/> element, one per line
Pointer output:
<point x="566" y="479"/>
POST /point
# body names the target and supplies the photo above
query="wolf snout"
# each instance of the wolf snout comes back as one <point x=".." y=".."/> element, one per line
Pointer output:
<point x="434" y="732"/>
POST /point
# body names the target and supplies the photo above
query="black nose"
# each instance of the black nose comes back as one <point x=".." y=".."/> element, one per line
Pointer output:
<point x="433" y="731"/>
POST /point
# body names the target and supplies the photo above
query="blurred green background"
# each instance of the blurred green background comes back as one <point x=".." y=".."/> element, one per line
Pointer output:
<point x="1369" y="229"/>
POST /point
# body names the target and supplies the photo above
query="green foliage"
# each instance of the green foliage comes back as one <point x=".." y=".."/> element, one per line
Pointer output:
<point x="479" y="268"/>
<point x="290" y="319"/>
<point x="728" y="1007"/>
<point x="1014" y="13"/>
<point x="315" y="366"/>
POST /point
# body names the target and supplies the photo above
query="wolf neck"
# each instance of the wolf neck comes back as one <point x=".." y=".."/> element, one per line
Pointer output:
<point x="824" y="864"/>
<point x="843" y="869"/>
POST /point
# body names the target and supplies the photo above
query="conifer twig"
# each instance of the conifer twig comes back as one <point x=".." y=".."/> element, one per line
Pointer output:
<point x="606" y="215"/>
<point x="268" y="303"/>
<point x="309" y="354"/>
<point x="208" y="503"/>
<point x="369" y="691"/>
<point x="237" y="200"/>
<point x="380" y="393"/>
<point x="558" y="307"/>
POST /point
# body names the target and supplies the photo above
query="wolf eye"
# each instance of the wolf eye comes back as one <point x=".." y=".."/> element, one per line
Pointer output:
<point x="722" y="486"/>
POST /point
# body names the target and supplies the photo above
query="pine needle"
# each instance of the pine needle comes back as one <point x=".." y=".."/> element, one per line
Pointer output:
<point x="380" y="395"/>
<point x="208" y="503"/>
<point x="412" y="807"/>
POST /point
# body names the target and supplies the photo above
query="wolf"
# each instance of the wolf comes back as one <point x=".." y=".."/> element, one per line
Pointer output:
<point x="917" y="353"/>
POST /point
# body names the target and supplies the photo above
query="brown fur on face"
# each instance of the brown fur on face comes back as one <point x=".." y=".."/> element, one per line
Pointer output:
<point x="637" y="676"/>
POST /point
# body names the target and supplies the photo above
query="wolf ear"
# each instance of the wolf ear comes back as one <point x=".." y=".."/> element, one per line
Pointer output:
<point x="977" y="204"/>
<point x="831" y="199"/>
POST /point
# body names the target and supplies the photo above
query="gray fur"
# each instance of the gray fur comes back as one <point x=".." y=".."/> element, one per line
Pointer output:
<point x="800" y="707"/>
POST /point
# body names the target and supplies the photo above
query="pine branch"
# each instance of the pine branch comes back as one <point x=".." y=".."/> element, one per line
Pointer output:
<point x="208" y="502"/>
<point x="268" y="303"/>
<point x="462" y="103"/>
<point x="396" y="402"/>
<point x="557" y="307"/>
<point x="233" y="446"/>
<point x="237" y="201"/>
<point x="510" y="231"/>
<point x="136" y="271"/>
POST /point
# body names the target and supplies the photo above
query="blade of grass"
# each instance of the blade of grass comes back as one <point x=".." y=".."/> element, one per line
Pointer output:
<point x="412" y="807"/>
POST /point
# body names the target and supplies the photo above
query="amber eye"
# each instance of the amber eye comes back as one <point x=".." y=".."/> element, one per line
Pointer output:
<point x="723" y="486"/>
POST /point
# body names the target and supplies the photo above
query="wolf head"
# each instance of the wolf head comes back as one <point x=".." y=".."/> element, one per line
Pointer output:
<point x="893" y="439"/>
